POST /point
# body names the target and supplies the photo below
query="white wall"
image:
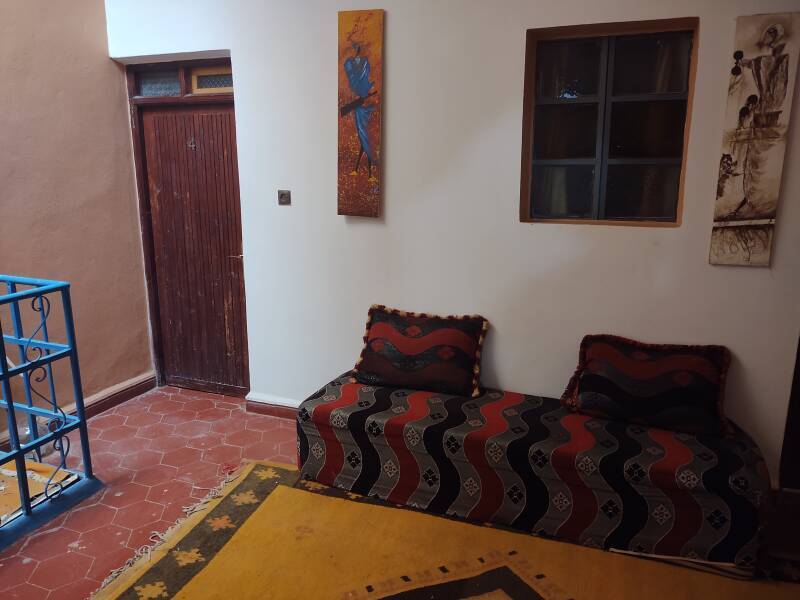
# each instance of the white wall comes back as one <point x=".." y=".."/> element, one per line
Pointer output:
<point x="451" y="240"/>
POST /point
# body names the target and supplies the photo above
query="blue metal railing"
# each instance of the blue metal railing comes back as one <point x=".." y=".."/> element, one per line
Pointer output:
<point x="30" y="358"/>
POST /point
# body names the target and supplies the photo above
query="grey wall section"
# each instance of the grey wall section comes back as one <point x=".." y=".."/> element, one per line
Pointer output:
<point x="67" y="194"/>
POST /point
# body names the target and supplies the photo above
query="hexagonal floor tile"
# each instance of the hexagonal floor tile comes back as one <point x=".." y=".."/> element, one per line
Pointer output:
<point x="84" y="519"/>
<point x="61" y="570"/>
<point x="155" y="475"/>
<point x="223" y="454"/>
<point x="139" y="514"/>
<point x="124" y="495"/>
<point x="182" y="457"/>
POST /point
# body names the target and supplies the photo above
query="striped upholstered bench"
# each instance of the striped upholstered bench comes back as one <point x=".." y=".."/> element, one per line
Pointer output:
<point x="528" y="463"/>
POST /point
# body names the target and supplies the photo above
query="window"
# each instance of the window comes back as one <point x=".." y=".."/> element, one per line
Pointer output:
<point x="212" y="80"/>
<point x="181" y="81"/>
<point x="604" y="122"/>
<point x="160" y="83"/>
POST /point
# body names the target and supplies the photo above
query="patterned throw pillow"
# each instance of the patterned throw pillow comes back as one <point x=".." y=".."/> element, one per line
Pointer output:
<point x="674" y="387"/>
<point x="419" y="351"/>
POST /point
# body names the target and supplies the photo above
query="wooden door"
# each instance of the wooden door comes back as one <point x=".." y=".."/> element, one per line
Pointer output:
<point x="193" y="185"/>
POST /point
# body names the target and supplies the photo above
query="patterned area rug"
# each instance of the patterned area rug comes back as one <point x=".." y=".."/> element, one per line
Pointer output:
<point x="267" y="535"/>
<point x="39" y="474"/>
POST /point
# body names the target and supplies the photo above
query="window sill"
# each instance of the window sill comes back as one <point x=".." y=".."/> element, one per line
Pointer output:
<point x="617" y="222"/>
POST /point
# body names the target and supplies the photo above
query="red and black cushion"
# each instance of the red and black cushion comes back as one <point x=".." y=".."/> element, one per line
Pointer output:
<point x="674" y="387"/>
<point x="420" y="351"/>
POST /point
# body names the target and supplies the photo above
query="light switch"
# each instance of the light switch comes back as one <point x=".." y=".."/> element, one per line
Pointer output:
<point x="284" y="197"/>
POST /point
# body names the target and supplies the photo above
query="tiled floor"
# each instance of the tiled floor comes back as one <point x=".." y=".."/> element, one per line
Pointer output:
<point x="156" y="454"/>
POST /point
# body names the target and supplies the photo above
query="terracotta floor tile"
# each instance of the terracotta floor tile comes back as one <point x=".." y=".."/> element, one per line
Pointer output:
<point x="16" y="570"/>
<point x="26" y="591"/>
<point x="198" y="404"/>
<point x="108" y="560"/>
<point x="144" y="535"/>
<point x="129" y="445"/>
<point x="182" y="457"/>
<point x="154" y="431"/>
<point x="197" y="471"/>
<point x="175" y="510"/>
<point x="181" y="416"/>
<point x="204" y="442"/>
<point x="165" y="406"/>
<point x="229" y="405"/>
<point x="99" y="445"/>
<point x="223" y="454"/>
<point x="139" y="514"/>
<point x="78" y="589"/>
<point x="156" y="455"/>
<point x="131" y="407"/>
<point x="167" y="443"/>
<point x="170" y="492"/>
<point x="141" y="459"/>
<point x="192" y="429"/>
<point x="102" y="539"/>
<point x="49" y="543"/>
<point x="157" y="474"/>
<point x="84" y="519"/>
<point x="61" y="570"/>
<point x="262" y="423"/>
<point x="213" y="414"/>
<point x="143" y="418"/>
<point x="260" y="451"/>
<point x="277" y="436"/>
<point x="120" y="432"/>
<point x="229" y="425"/>
<point x="243" y="438"/>
<point x="125" y="495"/>
<point x="107" y="421"/>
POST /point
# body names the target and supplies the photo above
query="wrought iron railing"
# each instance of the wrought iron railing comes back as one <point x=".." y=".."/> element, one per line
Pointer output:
<point x="37" y="420"/>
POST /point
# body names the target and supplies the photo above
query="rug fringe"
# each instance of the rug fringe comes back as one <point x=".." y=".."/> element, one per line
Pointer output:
<point x="157" y="538"/>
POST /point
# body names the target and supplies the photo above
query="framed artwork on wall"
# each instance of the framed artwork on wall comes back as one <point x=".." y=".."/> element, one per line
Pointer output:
<point x="360" y="82"/>
<point x="762" y="80"/>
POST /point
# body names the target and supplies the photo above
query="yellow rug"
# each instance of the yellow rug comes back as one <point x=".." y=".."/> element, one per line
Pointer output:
<point x="269" y="536"/>
<point x="37" y="475"/>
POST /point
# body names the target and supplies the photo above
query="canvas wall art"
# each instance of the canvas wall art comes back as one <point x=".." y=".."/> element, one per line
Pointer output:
<point x="360" y="104"/>
<point x="762" y="79"/>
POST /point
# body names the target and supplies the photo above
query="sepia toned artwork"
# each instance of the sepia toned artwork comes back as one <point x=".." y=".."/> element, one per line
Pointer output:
<point x="762" y="78"/>
<point x="360" y="103"/>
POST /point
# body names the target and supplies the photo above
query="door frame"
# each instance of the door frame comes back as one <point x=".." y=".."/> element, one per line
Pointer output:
<point x="137" y="104"/>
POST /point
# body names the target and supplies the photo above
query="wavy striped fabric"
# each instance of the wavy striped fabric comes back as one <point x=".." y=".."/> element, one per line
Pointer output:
<point x="674" y="387"/>
<point x="529" y="463"/>
<point x="422" y="351"/>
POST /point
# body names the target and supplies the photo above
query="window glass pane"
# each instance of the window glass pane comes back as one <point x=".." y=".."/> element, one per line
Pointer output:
<point x="562" y="191"/>
<point x="647" y="129"/>
<point x="650" y="64"/>
<point x="567" y="69"/>
<point x="159" y="83"/>
<point x="218" y="80"/>
<point x="565" y="131"/>
<point x="642" y="191"/>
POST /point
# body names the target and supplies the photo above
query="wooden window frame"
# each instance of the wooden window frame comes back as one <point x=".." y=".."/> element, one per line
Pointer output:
<point x="533" y="37"/>
<point x="196" y="72"/>
<point x="184" y="69"/>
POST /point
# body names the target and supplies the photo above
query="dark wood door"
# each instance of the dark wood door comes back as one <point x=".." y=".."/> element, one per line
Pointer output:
<point x="193" y="186"/>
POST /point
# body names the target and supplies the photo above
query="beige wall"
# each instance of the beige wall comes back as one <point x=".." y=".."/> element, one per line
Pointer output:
<point x="67" y="192"/>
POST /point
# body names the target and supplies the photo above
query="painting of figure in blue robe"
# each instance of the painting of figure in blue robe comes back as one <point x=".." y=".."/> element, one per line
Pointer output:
<point x="360" y="96"/>
<point x="357" y="69"/>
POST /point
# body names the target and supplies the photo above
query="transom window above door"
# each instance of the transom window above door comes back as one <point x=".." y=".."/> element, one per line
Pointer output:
<point x="605" y="122"/>
<point x="190" y="78"/>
